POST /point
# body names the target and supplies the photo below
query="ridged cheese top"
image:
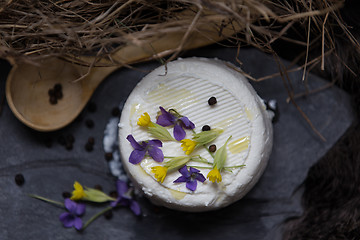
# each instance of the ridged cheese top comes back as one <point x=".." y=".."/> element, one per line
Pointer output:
<point x="186" y="86"/>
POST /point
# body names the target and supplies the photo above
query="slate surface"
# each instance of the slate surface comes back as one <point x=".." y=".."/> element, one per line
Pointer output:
<point x="50" y="171"/>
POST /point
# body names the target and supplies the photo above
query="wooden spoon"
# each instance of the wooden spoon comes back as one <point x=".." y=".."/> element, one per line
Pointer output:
<point x="27" y="85"/>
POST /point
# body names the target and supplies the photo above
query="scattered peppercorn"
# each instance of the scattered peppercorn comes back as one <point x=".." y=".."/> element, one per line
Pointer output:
<point x="70" y="138"/>
<point x="212" y="148"/>
<point x="108" y="214"/>
<point x="79" y="118"/>
<point x="92" y="107"/>
<point x="91" y="140"/>
<point x="212" y="101"/>
<point x="98" y="187"/>
<point x="108" y="156"/>
<point x="48" y="142"/>
<point x="113" y="194"/>
<point x="115" y="112"/>
<point x="89" y="123"/>
<point x="89" y="147"/>
<point x="58" y="95"/>
<point x="61" y="140"/>
<point x="206" y="128"/>
<point x="58" y="87"/>
<point x="68" y="146"/>
<point x="55" y="93"/>
<point x="19" y="179"/>
<point x="53" y="100"/>
<point x="51" y="92"/>
<point x="66" y="195"/>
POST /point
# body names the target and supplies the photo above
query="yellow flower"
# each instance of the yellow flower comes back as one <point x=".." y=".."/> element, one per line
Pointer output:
<point x="78" y="192"/>
<point x="144" y="120"/>
<point x="214" y="175"/>
<point x="160" y="173"/>
<point x="188" y="145"/>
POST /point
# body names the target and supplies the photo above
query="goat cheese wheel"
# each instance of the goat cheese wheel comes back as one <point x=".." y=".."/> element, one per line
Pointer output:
<point x="243" y="140"/>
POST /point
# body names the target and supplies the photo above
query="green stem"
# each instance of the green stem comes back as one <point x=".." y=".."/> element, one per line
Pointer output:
<point x="201" y="160"/>
<point x="46" y="200"/>
<point x="95" y="217"/>
<point x="178" y="115"/>
<point x="237" y="166"/>
<point x="206" y="148"/>
<point x="201" y="167"/>
<point x="225" y="168"/>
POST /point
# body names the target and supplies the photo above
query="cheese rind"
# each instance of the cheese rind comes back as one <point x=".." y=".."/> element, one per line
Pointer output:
<point x="186" y="86"/>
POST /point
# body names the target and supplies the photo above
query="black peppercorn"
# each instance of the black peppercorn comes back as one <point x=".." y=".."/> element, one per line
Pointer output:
<point x="212" y="101"/>
<point x="98" y="187"/>
<point x="113" y="194"/>
<point x="19" y="179"/>
<point x="91" y="140"/>
<point x="68" y="146"/>
<point x="61" y="140"/>
<point x="48" y="142"/>
<point x="55" y="93"/>
<point x="51" y="92"/>
<point x="212" y="148"/>
<point x="58" y="87"/>
<point x="206" y="128"/>
<point x="115" y="112"/>
<point x="92" y="107"/>
<point x="70" y="138"/>
<point x="108" y="214"/>
<point x="58" y="95"/>
<point x="89" y="123"/>
<point x="66" y="195"/>
<point x="89" y="147"/>
<point x="108" y="156"/>
<point x="53" y="100"/>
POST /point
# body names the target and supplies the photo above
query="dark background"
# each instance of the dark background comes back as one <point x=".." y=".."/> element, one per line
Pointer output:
<point x="263" y="214"/>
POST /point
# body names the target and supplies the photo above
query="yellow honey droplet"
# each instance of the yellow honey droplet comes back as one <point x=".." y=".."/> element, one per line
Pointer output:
<point x="239" y="145"/>
<point x="177" y="194"/>
<point x="180" y="98"/>
<point x="249" y="114"/>
<point x="227" y="122"/>
<point x="134" y="109"/>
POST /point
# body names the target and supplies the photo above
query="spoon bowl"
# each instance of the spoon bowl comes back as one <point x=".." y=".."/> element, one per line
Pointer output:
<point x="27" y="85"/>
<point x="27" y="92"/>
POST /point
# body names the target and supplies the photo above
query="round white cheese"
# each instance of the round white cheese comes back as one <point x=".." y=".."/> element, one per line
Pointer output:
<point x="186" y="85"/>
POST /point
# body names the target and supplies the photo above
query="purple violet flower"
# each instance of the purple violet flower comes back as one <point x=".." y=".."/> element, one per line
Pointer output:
<point x="124" y="198"/>
<point x="190" y="177"/>
<point x="71" y="218"/>
<point x="140" y="149"/>
<point x="180" y="122"/>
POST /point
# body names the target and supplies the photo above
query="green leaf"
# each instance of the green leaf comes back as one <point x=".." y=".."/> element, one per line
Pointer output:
<point x="159" y="132"/>
<point x="176" y="162"/>
<point x="206" y="137"/>
<point x="220" y="156"/>
<point x="94" y="195"/>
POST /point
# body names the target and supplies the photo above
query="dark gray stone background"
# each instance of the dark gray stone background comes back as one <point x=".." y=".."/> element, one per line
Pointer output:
<point x="50" y="171"/>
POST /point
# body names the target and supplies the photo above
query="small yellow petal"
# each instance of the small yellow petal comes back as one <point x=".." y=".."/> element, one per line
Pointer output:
<point x="188" y="146"/>
<point x="144" y="120"/>
<point x="78" y="192"/>
<point x="214" y="175"/>
<point x="160" y="173"/>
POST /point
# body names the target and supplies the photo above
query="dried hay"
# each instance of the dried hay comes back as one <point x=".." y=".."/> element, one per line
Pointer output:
<point x="31" y="30"/>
